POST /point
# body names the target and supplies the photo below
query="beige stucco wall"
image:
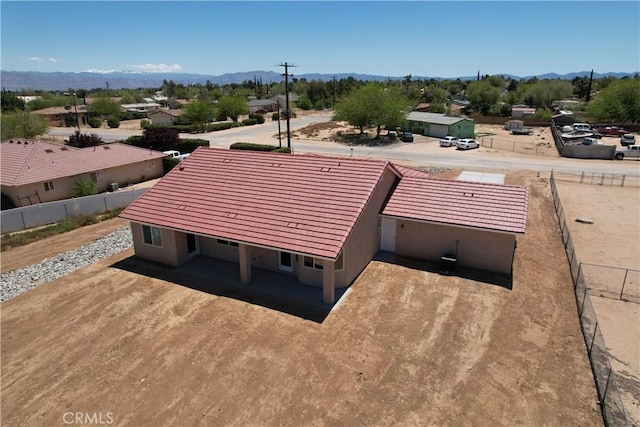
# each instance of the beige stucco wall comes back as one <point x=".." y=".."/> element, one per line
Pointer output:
<point x="63" y="187"/>
<point x="479" y="249"/>
<point x="167" y="254"/>
<point x="364" y="241"/>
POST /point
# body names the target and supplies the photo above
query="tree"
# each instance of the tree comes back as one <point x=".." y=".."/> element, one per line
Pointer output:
<point x="161" y="138"/>
<point x="198" y="112"/>
<point x="82" y="140"/>
<point x="104" y="107"/>
<point x="482" y="95"/>
<point x="20" y="124"/>
<point x="233" y="106"/>
<point x="11" y="102"/>
<point x="373" y="105"/>
<point x="618" y="102"/>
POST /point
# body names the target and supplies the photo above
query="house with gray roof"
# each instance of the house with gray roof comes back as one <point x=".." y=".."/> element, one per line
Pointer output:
<point x="439" y="125"/>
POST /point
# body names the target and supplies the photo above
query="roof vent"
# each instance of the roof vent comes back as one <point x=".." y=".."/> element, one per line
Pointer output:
<point x="181" y="207"/>
<point x="107" y="147"/>
<point x="11" y="141"/>
<point x="227" y="160"/>
<point x="292" y="225"/>
<point x="467" y="194"/>
<point x="64" y="149"/>
<point x="231" y="215"/>
<point x="48" y="151"/>
<point x="19" y="142"/>
<point x="276" y="165"/>
<point x="325" y="169"/>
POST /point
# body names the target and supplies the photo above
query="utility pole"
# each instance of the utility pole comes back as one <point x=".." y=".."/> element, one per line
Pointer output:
<point x="334" y="91"/>
<point x="286" y="107"/>
<point x="279" y="131"/>
<point x="75" y="106"/>
<point x="588" y="98"/>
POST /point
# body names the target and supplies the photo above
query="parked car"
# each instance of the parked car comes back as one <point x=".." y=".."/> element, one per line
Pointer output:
<point x="630" y="151"/>
<point x="448" y="141"/>
<point x="611" y="131"/>
<point x="406" y="137"/>
<point x="466" y="144"/>
<point x="174" y="154"/>
<point x="627" y="139"/>
<point x="590" y="141"/>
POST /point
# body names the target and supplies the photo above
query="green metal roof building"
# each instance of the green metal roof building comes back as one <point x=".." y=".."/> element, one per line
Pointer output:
<point x="439" y="125"/>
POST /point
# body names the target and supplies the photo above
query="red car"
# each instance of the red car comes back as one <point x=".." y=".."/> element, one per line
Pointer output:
<point x="611" y="131"/>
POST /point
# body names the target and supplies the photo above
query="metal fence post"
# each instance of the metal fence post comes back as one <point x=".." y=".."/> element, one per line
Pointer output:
<point x="593" y="338"/>
<point x="581" y="177"/>
<point x="584" y="298"/>
<point x="606" y="387"/>
<point x="580" y="273"/>
<point x="622" y="184"/>
<point x="624" y="282"/>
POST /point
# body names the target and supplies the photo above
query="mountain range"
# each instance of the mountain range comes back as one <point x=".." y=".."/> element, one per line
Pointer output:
<point x="24" y="80"/>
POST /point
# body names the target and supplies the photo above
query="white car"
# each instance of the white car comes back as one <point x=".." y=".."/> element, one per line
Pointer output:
<point x="448" y="141"/>
<point x="466" y="144"/>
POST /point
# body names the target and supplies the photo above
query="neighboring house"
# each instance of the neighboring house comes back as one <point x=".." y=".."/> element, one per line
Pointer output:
<point x="521" y="112"/>
<point x="282" y="99"/>
<point x="439" y="125"/>
<point x="140" y="107"/>
<point x="55" y="116"/>
<point x="319" y="218"/>
<point x="37" y="171"/>
<point x="260" y="105"/>
<point x="163" y="117"/>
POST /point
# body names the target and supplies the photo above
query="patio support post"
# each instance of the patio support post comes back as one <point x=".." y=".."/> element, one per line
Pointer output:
<point x="245" y="264"/>
<point x="328" y="282"/>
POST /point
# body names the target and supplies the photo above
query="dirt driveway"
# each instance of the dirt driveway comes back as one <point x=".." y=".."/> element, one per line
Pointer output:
<point x="405" y="346"/>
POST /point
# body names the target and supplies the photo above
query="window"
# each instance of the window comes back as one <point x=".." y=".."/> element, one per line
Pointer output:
<point x="152" y="235"/>
<point x="48" y="186"/>
<point x="96" y="177"/>
<point x="311" y="262"/>
<point x="227" y="243"/>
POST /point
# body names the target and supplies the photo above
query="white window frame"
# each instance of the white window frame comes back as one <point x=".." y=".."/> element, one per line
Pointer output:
<point x="154" y="234"/>
<point x="48" y="186"/>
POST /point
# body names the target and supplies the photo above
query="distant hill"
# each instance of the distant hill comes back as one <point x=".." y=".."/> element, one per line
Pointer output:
<point x="19" y="80"/>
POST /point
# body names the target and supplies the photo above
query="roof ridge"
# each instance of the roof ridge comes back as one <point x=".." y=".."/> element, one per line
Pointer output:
<point x="26" y="163"/>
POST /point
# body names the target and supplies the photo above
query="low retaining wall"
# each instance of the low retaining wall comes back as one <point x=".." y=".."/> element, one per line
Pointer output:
<point x="579" y="151"/>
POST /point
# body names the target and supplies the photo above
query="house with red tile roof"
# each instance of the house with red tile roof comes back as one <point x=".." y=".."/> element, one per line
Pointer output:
<point x="39" y="171"/>
<point x="315" y="217"/>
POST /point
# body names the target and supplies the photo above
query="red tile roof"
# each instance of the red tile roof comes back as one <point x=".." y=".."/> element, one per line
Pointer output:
<point x="305" y="204"/>
<point x="26" y="162"/>
<point x="472" y="204"/>
<point x="407" y="171"/>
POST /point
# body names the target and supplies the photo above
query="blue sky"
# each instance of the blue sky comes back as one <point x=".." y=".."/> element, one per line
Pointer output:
<point x="422" y="38"/>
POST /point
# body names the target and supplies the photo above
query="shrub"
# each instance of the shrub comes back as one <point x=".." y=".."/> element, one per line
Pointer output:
<point x="145" y="123"/>
<point x="113" y="122"/>
<point x="82" y="140"/>
<point x="169" y="163"/>
<point x="258" y="117"/>
<point x="136" y="141"/>
<point x="319" y="105"/>
<point x="253" y="147"/>
<point x="221" y="117"/>
<point x="249" y="122"/>
<point x="282" y="150"/>
<point x="274" y="116"/>
<point x="304" y="103"/>
<point x="95" y="122"/>
<point x="219" y="126"/>
<point x="84" y="187"/>
<point x="189" y="145"/>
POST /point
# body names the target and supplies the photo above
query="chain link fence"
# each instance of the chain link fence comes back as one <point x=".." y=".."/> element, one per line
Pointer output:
<point x="613" y="412"/>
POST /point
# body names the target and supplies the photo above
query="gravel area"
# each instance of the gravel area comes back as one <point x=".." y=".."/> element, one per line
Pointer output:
<point x="14" y="283"/>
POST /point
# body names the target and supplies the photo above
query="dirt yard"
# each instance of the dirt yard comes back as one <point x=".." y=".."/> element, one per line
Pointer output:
<point x="404" y="346"/>
<point x="612" y="240"/>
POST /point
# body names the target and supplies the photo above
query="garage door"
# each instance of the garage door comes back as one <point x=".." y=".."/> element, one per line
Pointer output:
<point x="438" y="131"/>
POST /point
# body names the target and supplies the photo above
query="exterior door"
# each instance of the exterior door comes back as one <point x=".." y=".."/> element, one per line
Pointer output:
<point x="193" y="245"/>
<point x="285" y="261"/>
<point x="388" y="235"/>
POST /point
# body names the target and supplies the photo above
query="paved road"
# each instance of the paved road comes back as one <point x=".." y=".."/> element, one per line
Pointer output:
<point x="416" y="153"/>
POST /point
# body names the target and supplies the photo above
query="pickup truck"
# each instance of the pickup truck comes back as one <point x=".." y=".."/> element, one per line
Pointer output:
<point x="630" y="151"/>
<point x="174" y="154"/>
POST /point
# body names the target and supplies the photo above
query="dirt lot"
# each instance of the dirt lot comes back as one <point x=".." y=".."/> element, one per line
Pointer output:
<point x="612" y="240"/>
<point x="404" y="346"/>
